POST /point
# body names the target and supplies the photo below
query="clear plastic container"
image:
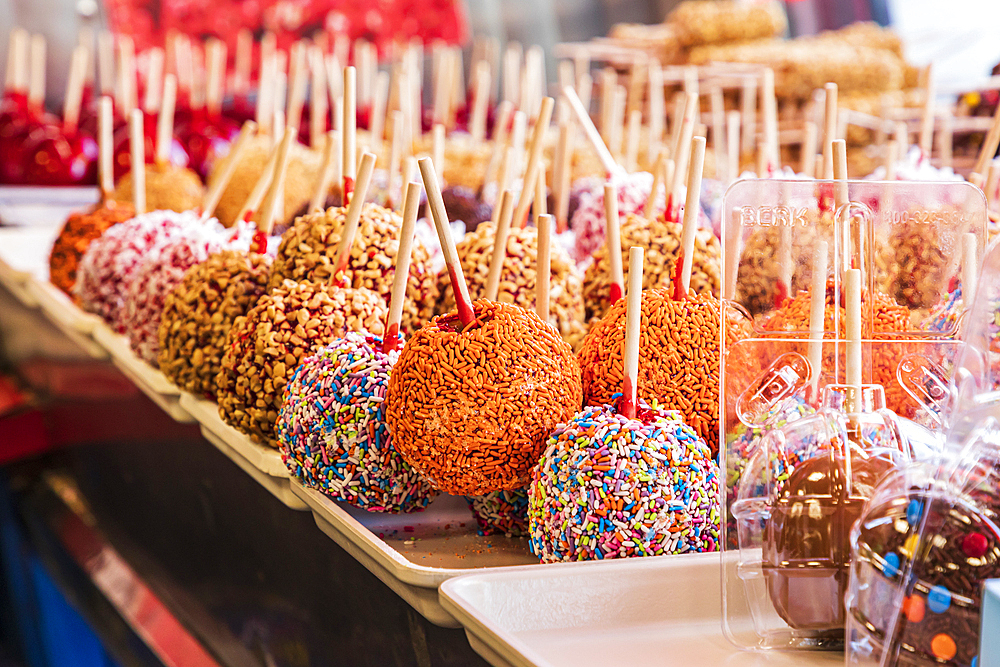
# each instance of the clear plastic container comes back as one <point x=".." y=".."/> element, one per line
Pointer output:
<point x="799" y="468"/>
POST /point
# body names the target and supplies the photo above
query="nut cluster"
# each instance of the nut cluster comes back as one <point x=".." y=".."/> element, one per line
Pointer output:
<point x="308" y="253"/>
<point x="471" y="409"/>
<point x="661" y="241"/>
<point x="199" y="313"/>
<point x="517" y="280"/>
<point x="264" y="348"/>
<point x="74" y="238"/>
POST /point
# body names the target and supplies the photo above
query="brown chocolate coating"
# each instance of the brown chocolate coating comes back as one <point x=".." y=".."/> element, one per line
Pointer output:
<point x="806" y="551"/>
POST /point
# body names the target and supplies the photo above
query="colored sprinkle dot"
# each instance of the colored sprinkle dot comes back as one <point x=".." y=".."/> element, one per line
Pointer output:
<point x="975" y="661"/>
<point x="914" y="608"/>
<point x="943" y="647"/>
<point x="974" y="545"/>
<point x="938" y="599"/>
<point x="913" y="511"/>
<point x="910" y="546"/>
<point x="891" y="565"/>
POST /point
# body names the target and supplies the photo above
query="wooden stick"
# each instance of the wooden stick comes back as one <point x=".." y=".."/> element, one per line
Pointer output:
<point x="411" y="207"/>
<point x="676" y="120"/>
<point x="852" y="293"/>
<point x="106" y="147"/>
<point x="669" y="170"/>
<point x="354" y="209"/>
<point x="349" y="137"/>
<point x="989" y="148"/>
<point x="265" y="95"/>
<point x="154" y="80"/>
<point x="946" y="139"/>
<point x="613" y="239"/>
<point x="691" y="80"/>
<point x="543" y="272"/>
<point x="691" y="209"/>
<point x="657" y="108"/>
<point x="830" y="123"/>
<point x="466" y="315"/>
<point x="511" y="72"/>
<point x="275" y="201"/>
<point x="480" y="99"/>
<point x="127" y="72"/>
<point x="585" y="89"/>
<point x="891" y="157"/>
<point x="970" y="269"/>
<point x="632" y="140"/>
<point x="379" y="104"/>
<point x="902" y="138"/>
<point x="733" y="144"/>
<point x="748" y="110"/>
<point x="503" y="183"/>
<point x="770" y="104"/>
<point x="817" y="314"/>
<point x="106" y="62"/>
<point x="839" y="148"/>
<point x="540" y="205"/>
<point x="214" y="193"/>
<point x="534" y="159"/>
<point x="682" y="152"/>
<point x="331" y="155"/>
<point x="732" y="242"/>
<point x="517" y="135"/>
<point x="927" y="115"/>
<point x="216" y="53"/>
<point x="437" y="149"/>
<point x="442" y="87"/>
<point x="74" y="90"/>
<point x="563" y="182"/>
<point x="647" y="211"/>
<point x="319" y="112"/>
<point x="36" y="84"/>
<point x="992" y="180"/>
<point x="500" y="132"/>
<point x="165" y="121"/>
<point x="243" y="64"/>
<point x="499" y="245"/>
<point x="297" y="79"/>
<point x="616" y="121"/>
<point x="396" y="149"/>
<point x="633" y="319"/>
<point x="593" y="136"/>
<point x="260" y="188"/>
<point x="808" y="150"/>
<point x="136" y="141"/>
<point x="718" y="105"/>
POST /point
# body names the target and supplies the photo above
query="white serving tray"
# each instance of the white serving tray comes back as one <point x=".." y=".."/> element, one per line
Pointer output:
<point x="73" y="322"/>
<point x="150" y="380"/>
<point x="664" y="611"/>
<point x="414" y="553"/>
<point x="35" y="205"/>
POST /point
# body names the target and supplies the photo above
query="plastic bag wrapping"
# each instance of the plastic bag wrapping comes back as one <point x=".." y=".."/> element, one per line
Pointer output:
<point x="799" y="465"/>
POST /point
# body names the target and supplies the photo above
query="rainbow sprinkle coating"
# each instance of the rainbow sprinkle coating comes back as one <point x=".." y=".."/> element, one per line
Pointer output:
<point x="503" y="512"/>
<point x="944" y="317"/>
<point x="612" y="487"/>
<point x="332" y="430"/>
<point x="744" y="440"/>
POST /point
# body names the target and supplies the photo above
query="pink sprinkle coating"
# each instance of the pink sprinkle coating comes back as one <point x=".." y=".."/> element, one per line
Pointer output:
<point x="588" y="221"/>
<point x="162" y="270"/>
<point x="111" y="260"/>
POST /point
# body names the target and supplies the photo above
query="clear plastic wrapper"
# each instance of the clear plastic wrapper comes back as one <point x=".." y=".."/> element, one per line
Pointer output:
<point x="804" y="449"/>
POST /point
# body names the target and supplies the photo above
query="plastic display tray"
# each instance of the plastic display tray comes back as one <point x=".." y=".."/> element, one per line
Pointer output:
<point x="37" y="205"/>
<point x="414" y="553"/>
<point x="76" y="324"/>
<point x="661" y="611"/>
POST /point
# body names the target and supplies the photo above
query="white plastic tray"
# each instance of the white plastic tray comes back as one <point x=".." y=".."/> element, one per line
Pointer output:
<point x="414" y="553"/>
<point x="661" y="611"/>
<point x="76" y="324"/>
<point x="151" y="381"/>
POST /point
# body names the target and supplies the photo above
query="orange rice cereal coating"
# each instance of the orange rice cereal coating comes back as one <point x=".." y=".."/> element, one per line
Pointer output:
<point x="471" y="410"/>
<point x="80" y="229"/>
<point x="517" y="280"/>
<point x="168" y="188"/>
<point x="661" y="242"/>
<point x="887" y="317"/>
<point x="308" y="253"/>
<point x="679" y="349"/>
<point x="264" y="348"/>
